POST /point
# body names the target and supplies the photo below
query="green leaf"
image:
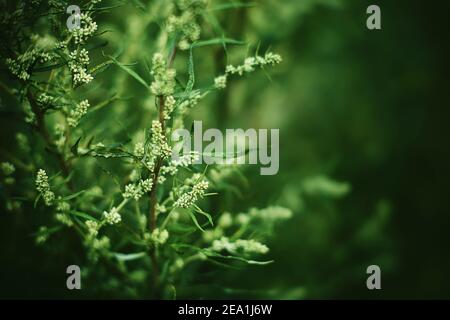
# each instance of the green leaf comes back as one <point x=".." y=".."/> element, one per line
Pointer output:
<point x="100" y="67"/>
<point x="261" y="263"/>
<point x="83" y="215"/>
<point x="214" y="254"/>
<point x="191" y="81"/>
<point x="129" y="256"/>
<point x="130" y="71"/>
<point x="216" y="41"/>
<point x="74" y="148"/>
<point x="109" y="152"/>
<point x="37" y="200"/>
<point x="194" y="218"/>
<point x="207" y="215"/>
<point x="48" y="68"/>
<point x="73" y="196"/>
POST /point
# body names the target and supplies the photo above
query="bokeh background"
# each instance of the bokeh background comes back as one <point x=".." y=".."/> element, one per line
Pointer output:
<point x="364" y="155"/>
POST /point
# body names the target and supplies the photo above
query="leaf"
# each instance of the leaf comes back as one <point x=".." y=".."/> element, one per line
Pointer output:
<point x="100" y="67"/>
<point x="112" y="151"/>
<point x="130" y="71"/>
<point x="192" y="215"/>
<point x="73" y="196"/>
<point x="48" y="68"/>
<point x="261" y="263"/>
<point x="211" y="253"/>
<point x="83" y="215"/>
<point x="191" y="81"/>
<point x="215" y="41"/>
<point x="129" y="256"/>
<point x="37" y="200"/>
<point x="74" y="148"/>
<point x="97" y="45"/>
<point x="105" y="8"/>
<point x="207" y="215"/>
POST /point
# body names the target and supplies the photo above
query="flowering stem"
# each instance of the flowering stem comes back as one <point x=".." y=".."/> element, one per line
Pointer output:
<point x="153" y="197"/>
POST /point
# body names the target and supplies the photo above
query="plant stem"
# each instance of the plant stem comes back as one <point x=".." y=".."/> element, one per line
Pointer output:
<point x="159" y="162"/>
<point x="42" y="129"/>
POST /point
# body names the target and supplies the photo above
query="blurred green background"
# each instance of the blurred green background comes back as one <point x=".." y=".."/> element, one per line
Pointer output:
<point x="364" y="157"/>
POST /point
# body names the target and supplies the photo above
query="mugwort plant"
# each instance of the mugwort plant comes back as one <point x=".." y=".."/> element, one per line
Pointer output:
<point x="146" y="223"/>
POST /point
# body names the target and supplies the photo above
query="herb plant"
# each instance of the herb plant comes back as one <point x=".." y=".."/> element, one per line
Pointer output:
<point x="92" y="167"/>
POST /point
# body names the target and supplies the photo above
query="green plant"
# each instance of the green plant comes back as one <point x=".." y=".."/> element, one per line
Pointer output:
<point x="146" y="219"/>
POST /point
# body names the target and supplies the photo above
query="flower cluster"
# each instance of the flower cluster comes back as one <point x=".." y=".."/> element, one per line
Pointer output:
<point x="77" y="113"/>
<point x="23" y="142"/>
<point x="187" y="199"/>
<point x="220" y="82"/>
<point x="158" y="145"/>
<point x="169" y="107"/>
<point x="191" y="100"/>
<point x="60" y="138"/>
<point x="30" y="116"/>
<point x="172" y="167"/>
<point x="97" y="246"/>
<point x="186" y="23"/>
<point x="46" y="101"/>
<point x="185" y="160"/>
<point x="113" y="216"/>
<point x="78" y="61"/>
<point x="159" y="236"/>
<point x="64" y="219"/>
<point x="322" y="185"/>
<point x="21" y="66"/>
<point x="139" y="150"/>
<point x="92" y="227"/>
<point x="7" y="168"/>
<point x="133" y="191"/>
<point x="62" y="206"/>
<point x="250" y="64"/>
<point x="136" y="191"/>
<point x="239" y="246"/>
<point x="270" y="214"/>
<point x="85" y="31"/>
<point x="42" y="235"/>
<point x="164" y="78"/>
<point x="43" y="187"/>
